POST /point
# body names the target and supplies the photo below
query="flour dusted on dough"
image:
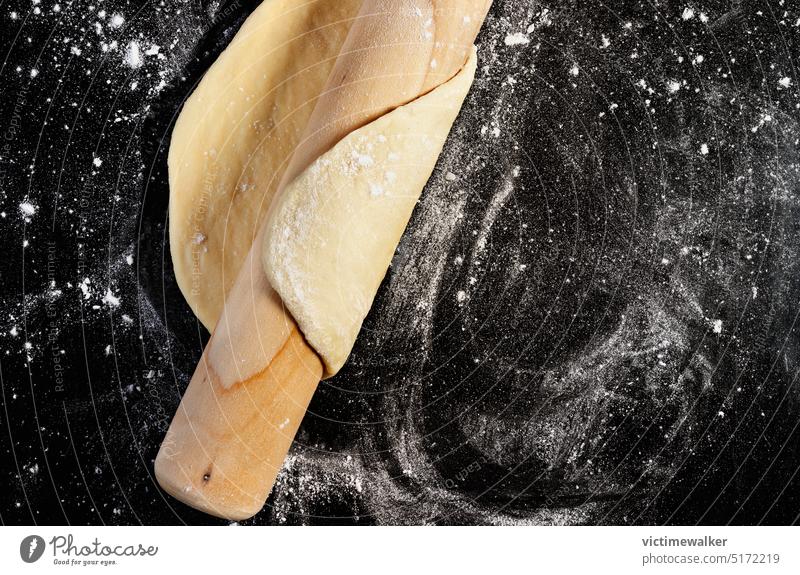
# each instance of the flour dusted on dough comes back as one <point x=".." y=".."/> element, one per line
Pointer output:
<point x="332" y="233"/>
<point x="234" y="135"/>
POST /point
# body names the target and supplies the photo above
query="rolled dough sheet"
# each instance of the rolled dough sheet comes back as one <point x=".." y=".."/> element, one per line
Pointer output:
<point x="332" y="232"/>
<point x="235" y="133"/>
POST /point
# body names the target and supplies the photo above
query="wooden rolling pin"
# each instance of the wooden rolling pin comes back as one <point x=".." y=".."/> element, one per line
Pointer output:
<point x="250" y="391"/>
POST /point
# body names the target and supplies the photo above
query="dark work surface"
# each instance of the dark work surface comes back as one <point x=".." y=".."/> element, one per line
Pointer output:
<point x="593" y="320"/>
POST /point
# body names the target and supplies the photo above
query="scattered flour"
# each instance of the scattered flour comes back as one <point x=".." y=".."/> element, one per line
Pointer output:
<point x="27" y="209"/>
<point x="110" y="299"/>
<point x="517" y="39"/>
<point x="133" y="55"/>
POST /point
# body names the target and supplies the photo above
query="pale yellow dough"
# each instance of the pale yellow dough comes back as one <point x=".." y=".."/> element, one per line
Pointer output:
<point x="332" y="232"/>
<point x="236" y="132"/>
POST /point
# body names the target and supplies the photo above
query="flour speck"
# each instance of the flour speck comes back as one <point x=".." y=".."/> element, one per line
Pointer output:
<point x="133" y="55"/>
<point x="517" y="39"/>
<point x="110" y="299"/>
<point x="27" y="209"/>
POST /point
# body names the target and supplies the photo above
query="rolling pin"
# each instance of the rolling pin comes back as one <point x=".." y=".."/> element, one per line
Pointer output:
<point x="250" y="391"/>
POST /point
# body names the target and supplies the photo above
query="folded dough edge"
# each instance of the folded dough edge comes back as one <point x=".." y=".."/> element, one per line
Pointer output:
<point x="333" y="231"/>
<point x="235" y="134"/>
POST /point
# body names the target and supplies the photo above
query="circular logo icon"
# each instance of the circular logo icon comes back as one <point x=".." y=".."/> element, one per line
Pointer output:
<point x="31" y="548"/>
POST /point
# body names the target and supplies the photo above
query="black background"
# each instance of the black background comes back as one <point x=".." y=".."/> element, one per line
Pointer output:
<point x="593" y="322"/>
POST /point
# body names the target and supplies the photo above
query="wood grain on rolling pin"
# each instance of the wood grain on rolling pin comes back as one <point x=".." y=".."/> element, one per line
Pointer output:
<point x="251" y="389"/>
